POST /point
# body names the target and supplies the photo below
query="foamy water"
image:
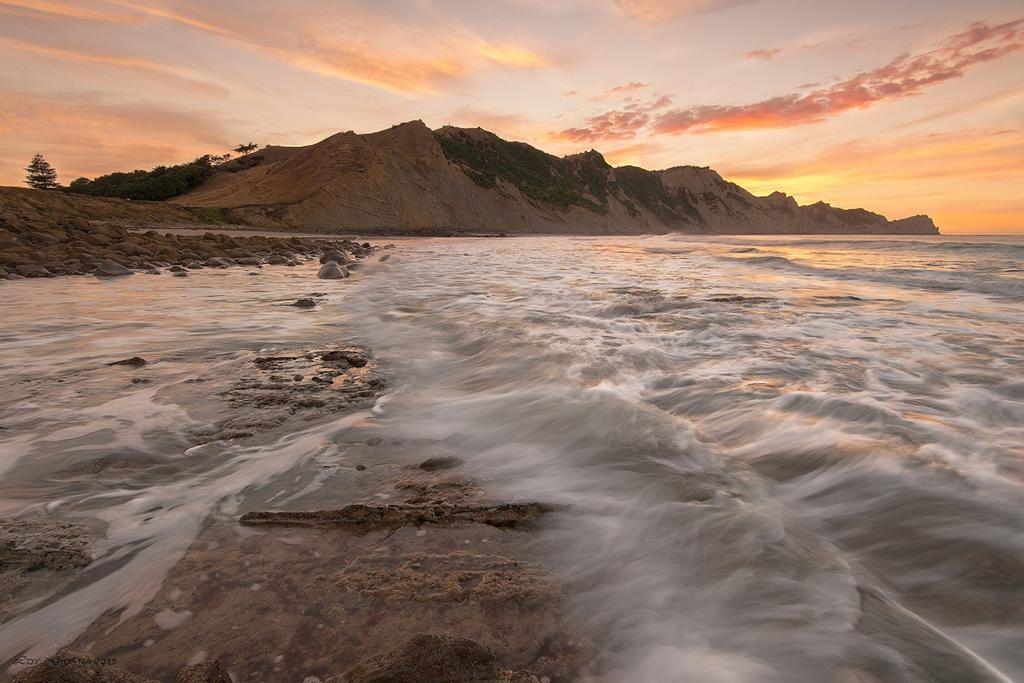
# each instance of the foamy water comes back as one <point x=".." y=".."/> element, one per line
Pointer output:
<point x="781" y="459"/>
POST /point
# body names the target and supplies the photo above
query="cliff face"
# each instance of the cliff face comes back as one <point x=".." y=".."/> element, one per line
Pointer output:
<point x="409" y="179"/>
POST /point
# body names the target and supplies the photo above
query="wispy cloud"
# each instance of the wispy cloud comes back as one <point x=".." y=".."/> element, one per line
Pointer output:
<point x="659" y="11"/>
<point x="354" y="44"/>
<point x="620" y="90"/>
<point x="902" y="77"/>
<point x="168" y="75"/>
<point x="82" y="11"/>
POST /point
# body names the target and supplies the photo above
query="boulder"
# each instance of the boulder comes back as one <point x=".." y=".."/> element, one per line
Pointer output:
<point x="335" y="256"/>
<point x="111" y="269"/>
<point x="206" y="672"/>
<point x="332" y="271"/>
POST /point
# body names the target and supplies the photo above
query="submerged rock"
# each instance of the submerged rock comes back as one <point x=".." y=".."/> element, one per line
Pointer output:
<point x="133" y="362"/>
<point x="332" y="271"/>
<point x="440" y="463"/>
<point x="305" y="303"/>
<point x="361" y="519"/>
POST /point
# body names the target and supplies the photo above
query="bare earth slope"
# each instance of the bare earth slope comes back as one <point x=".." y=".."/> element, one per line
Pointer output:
<point x="409" y="179"/>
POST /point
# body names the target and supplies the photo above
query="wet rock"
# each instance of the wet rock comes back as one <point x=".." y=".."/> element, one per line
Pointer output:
<point x="362" y="519"/>
<point x="354" y="357"/>
<point x="177" y="269"/>
<point x="140" y="380"/>
<point x="181" y="274"/>
<point x="207" y="672"/>
<point x="109" y="268"/>
<point x="384" y="258"/>
<point x="32" y="270"/>
<point x="72" y="667"/>
<point x="249" y="261"/>
<point x="134" y="362"/>
<point x="334" y="256"/>
<point x="219" y="263"/>
<point x="305" y="303"/>
<point x="374" y="441"/>
<point x="434" y="658"/>
<point x="332" y="271"/>
<point x="38" y="543"/>
<point x="441" y="463"/>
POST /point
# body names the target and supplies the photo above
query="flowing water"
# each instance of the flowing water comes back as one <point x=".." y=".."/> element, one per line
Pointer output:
<point x="781" y="459"/>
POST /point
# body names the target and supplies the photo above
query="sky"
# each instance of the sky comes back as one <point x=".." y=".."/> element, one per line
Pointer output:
<point x="907" y="107"/>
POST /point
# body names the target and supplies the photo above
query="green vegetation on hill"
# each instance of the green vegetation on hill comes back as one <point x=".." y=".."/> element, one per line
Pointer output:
<point x="539" y="176"/>
<point x="163" y="182"/>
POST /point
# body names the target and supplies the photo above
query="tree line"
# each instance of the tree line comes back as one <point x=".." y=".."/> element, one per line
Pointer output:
<point x="162" y="182"/>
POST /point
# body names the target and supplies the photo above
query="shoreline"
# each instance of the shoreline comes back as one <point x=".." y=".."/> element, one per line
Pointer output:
<point x="280" y="602"/>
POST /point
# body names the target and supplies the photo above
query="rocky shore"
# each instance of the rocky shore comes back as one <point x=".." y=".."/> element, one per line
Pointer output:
<point x="74" y="246"/>
<point x="378" y="560"/>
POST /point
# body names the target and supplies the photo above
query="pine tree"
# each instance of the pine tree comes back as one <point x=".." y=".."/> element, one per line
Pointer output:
<point x="41" y="175"/>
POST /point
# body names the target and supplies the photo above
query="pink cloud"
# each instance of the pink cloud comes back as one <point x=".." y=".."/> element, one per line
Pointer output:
<point x="767" y="54"/>
<point x="902" y="77"/>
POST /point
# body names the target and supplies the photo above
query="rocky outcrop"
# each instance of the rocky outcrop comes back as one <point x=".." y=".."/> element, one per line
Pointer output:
<point x="409" y="179"/>
<point x="39" y="240"/>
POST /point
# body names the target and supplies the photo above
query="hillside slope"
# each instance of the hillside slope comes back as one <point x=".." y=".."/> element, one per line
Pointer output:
<point x="409" y="179"/>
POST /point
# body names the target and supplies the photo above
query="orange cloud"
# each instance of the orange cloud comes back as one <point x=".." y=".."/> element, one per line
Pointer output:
<point x="625" y="89"/>
<point x="902" y="77"/>
<point x="658" y="11"/>
<point x="148" y="68"/>
<point x="401" y="59"/>
<point x="767" y="54"/>
<point x="83" y="11"/>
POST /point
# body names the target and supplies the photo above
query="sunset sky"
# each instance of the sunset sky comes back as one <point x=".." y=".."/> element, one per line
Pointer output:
<point x="907" y="107"/>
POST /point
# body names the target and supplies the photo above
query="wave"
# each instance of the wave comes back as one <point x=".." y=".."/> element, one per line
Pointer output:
<point x="980" y="282"/>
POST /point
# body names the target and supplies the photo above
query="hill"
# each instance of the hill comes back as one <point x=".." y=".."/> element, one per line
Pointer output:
<point x="409" y="179"/>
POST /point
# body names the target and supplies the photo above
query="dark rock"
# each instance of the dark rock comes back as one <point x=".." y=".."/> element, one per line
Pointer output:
<point x="384" y="258"/>
<point x="140" y="380"/>
<point x="72" y="667"/>
<point x="177" y="269"/>
<point x="374" y="441"/>
<point x="332" y="271"/>
<point x="360" y="468"/>
<point x="32" y="270"/>
<point x="277" y="260"/>
<point x="334" y="256"/>
<point x="442" y="463"/>
<point x="362" y="519"/>
<point x="249" y="261"/>
<point x="355" y="357"/>
<point x="181" y="273"/>
<point x="109" y="268"/>
<point x="39" y="543"/>
<point x="134" y="361"/>
<point x="207" y="672"/>
<point x="305" y="303"/>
